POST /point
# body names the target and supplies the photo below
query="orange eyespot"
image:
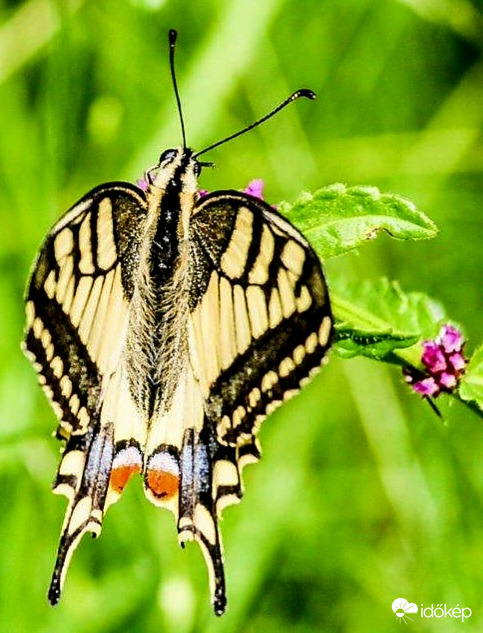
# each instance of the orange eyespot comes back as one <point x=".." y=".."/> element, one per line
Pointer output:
<point x="126" y="463"/>
<point x="162" y="474"/>
<point x="121" y="475"/>
<point x="162" y="484"/>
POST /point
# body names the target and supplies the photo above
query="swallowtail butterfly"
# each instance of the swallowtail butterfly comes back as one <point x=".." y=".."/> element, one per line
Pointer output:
<point x="164" y="327"/>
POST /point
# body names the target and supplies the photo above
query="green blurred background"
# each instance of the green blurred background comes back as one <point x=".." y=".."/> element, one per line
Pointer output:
<point x="362" y="495"/>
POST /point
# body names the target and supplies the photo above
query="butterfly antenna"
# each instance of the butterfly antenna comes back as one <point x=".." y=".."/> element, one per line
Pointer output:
<point x="173" y="35"/>
<point x="303" y="92"/>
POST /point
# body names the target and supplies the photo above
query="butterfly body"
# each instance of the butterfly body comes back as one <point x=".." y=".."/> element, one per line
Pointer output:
<point x="165" y="326"/>
<point x="157" y="342"/>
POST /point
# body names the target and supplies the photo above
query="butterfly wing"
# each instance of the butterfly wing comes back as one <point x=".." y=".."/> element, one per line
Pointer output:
<point x="260" y="325"/>
<point x="77" y="315"/>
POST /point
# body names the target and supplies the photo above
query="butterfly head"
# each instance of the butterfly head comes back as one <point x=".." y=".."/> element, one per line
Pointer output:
<point x="180" y="157"/>
<point x="176" y="168"/>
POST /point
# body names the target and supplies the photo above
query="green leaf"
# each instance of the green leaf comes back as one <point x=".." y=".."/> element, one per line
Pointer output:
<point x="376" y="345"/>
<point x="337" y="218"/>
<point x="471" y="385"/>
<point x="376" y="319"/>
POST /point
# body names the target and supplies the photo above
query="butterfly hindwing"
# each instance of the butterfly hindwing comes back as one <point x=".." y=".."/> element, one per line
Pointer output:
<point x="181" y="455"/>
<point x="77" y="310"/>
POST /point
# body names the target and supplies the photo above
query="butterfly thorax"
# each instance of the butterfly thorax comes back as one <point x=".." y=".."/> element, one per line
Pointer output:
<point x="159" y="309"/>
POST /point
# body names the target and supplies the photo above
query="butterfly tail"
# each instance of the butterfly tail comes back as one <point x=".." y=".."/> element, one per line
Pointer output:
<point x="197" y="510"/>
<point x="83" y="477"/>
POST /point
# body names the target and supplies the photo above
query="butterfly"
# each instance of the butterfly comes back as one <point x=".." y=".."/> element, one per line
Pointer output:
<point x="164" y="327"/>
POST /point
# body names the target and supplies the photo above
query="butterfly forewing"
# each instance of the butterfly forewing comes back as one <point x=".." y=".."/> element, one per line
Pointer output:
<point x="260" y="320"/>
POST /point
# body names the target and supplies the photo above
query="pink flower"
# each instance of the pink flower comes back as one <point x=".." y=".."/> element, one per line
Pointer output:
<point x="451" y="339"/>
<point x="255" y="188"/>
<point x="426" y="387"/>
<point x="443" y="361"/>
<point x="433" y="358"/>
<point x="448" y="380"/>
<point x="143" y="184"/>
<point x="457" y="361"/>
